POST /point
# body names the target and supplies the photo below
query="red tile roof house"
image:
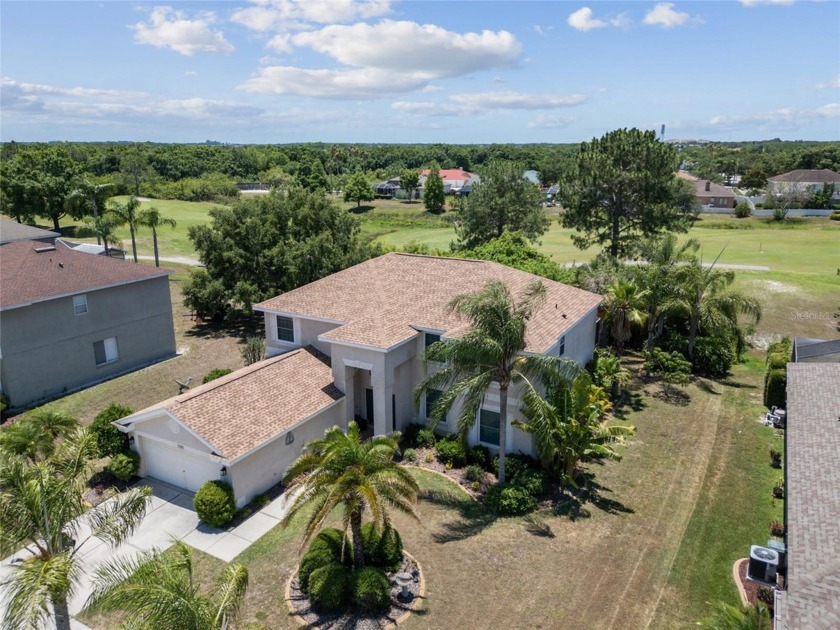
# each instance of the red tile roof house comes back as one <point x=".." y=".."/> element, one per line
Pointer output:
<point x="350" y="344"/>
<point x="69" y="319"/>
<point x="454" y="179"/>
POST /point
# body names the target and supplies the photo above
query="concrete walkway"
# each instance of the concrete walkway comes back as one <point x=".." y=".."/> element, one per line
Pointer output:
<point x="170" y="517"/>
<point x="192" y="262"/>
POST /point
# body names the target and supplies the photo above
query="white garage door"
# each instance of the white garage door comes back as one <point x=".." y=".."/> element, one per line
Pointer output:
<point x="177" y="466"/>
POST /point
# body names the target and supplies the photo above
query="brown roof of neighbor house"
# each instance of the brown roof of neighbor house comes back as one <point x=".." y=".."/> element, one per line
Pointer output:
<point x="714" y="190"/>
<point x="812" y="504"/>
<point x="11" y="231"/>
<point x="33" y="272"/>
<point x="687" y="176"/>
<point x="808" y="176"/>
<point x="384" y="301"/>
<point x="242" y="410"/>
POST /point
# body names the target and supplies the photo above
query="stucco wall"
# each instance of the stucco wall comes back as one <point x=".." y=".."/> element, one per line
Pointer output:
<point x="306" y="334"/>
<point x="47" y="349"/>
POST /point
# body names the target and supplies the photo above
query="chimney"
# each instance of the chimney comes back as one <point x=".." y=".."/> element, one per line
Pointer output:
<point x="708" y="185"/>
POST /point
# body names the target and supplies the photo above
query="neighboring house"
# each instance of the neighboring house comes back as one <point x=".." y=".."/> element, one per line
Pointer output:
<point x="708" y="194"/>
<point x="805" y="181"/>
<point x="811" y="598"/>
<point x="93" y="248"/>
<point x="69" y="319"/>
<point x="388" y="188"/>
<point x="12" y="231"/>
<point x="350" y="345"/>
<point x="816" y="350"/>
<point x="454" y="179"/>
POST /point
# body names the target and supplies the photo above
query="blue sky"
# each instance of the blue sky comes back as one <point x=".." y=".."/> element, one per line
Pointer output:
<point x="275" y="71"/>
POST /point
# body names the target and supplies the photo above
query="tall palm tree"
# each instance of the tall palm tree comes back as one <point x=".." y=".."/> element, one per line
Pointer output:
<point x="490" y="352"/>
<point x="151" y="218"/>
<point x="34" y="436"/>
<point x="624" y="303"/>
<point x="343" y="471"/>
<point x="570" y="423"/>
<point x="703" y="293"/>
<point x="127" y="214"/>
<point x="159" y="590"/>
<point x="42" y="505"/>
<point x="91" y="194"/>
<point x="105" y="228"/>
<point x="663" y="255"/>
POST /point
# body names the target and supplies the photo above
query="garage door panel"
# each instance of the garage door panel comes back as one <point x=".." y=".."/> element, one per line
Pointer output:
<point x="177" y="466"/>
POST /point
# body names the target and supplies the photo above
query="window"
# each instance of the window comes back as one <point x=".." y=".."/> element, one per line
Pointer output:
<point x="285" y="329"/>
<point x="80" y="304"/>
<point x="431" y="338"/>
<point x="488" y="427"/>
<point x="712" y="201"/>
<point x="106" y="351"/>
<point x="562" y="349"/>
<point x="432" y="396"/>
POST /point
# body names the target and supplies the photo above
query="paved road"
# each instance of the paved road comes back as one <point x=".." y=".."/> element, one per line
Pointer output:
<point x="192" y="262"/>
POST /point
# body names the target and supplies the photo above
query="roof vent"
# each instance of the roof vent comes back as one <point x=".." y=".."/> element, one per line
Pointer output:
<point x="48" y="248"/>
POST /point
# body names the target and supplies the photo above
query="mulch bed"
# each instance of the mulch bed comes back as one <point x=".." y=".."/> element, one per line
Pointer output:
<point x="458" y="475"/>
<point x="751" y="588"/>
<point x="300" y="605"/>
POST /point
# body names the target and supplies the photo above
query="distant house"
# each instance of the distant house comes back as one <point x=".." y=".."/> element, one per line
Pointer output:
<point x="708" y="194"/>
<point x="806" y="181"/>
<point x="454" y="179"/>
<point x="12" y="231"/>
<point x="388" y="188"/>
<point x="69" y="319"/>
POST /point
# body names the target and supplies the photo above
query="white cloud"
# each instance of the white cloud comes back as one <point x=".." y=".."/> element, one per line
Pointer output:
<point x="465" y="104"/>
<point x="425" y="108"/>
<point x="786" y="118"/>
<point x="755" y="3"/>
<point x="582" y="20"/>
<point x="281" y="43"/>
<point x="621" y="20"/>
<point x="38" y="88"/>
<point x="356" y="83"/>
<point x="664" y="14"/>
<point x="550" y="121"/>
<point x="834" y="83"/>
<point x="289" y="15"/>
<point x="190" y="73"/>
<point x="168" y="28"/>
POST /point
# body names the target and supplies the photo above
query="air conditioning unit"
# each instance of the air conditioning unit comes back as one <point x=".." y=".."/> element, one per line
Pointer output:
<point x="763" y="565"/>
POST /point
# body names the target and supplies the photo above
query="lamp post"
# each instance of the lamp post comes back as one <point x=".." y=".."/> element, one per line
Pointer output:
<point x="403" y="581"/>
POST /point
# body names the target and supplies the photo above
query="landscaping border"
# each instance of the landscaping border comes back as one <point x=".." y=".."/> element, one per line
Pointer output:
<point x="736" y="569"/>
<point x="402" y="619"/>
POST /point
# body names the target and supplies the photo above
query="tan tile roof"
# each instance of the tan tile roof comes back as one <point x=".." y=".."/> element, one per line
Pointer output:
<point x="32" y="272"/>
<point x="13" y="231"/>
<point x="382" y="301"/>
<point x="808" y="176"/>
<point x="687" y="176"/>
<point x="812" y="505"/>
<point x="242" y="410"/>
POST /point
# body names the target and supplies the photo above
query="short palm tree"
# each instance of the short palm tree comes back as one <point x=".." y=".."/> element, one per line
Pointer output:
<point x="91" y="195"/>
<point x="569" y="424"/>
<point x="490" y="352"/>
<point x="159" y="590"/>
<point x="127" y="214"/>
<point x="342" y="471"/>
<point x="42" y="504"/>
<point x="728" y="617"/>
<point x="625" y="304"/>
<point x="151" y="218"/>
<point x="610" y="374"/>
<point x="105" y="228"/>
<point x="34" y="436"/>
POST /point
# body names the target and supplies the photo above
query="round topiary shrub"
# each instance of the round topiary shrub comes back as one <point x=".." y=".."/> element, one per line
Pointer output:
<point x="509" y="500"/>
<point x="330" y="587"/>
<point x="110" y="441"/>
<point x="212" y="375"/>
<point x="124" y="466"/>
<point x="383" y="550"/>
<point x="451" y="451"/>
<point x="371" y="589"/>
<point x="474" y="472"/>
<point x="214" y="503"/>
<point x="333" y="540"/>
<point x="410" y="455"/>
<point x="311" y="561"/>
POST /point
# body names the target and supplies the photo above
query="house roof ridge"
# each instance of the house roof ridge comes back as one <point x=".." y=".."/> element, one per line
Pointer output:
<point x="472" y="260"/>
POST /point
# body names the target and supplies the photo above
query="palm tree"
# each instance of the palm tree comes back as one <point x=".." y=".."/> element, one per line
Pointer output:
<point x="663" y="255"/>
<point x="42" y="504"/>
<point x="490" y="352"/>
<point x="728" y="617"/>
<point x="570" y="423"/>
<point x="609" y="373"/>
<point x="89" y="192"/>
<point x="151" y="218"/>
<point x="34" y="436"/>
<point x="126" y="214"/>
<point x="342" y="471"/>
<point x="159" y="590"/>
<point x="624" y="303"/>
<point x="105" y="228"/>
<point x="703" y="293"/>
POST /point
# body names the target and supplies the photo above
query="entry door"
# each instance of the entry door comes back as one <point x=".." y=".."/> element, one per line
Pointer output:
<point x="369" y="405"/>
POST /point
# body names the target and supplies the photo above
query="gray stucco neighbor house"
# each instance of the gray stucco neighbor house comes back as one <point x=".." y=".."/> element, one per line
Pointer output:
<point x="69" y="319"/>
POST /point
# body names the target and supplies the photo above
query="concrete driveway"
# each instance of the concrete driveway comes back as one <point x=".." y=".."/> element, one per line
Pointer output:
<point x="170" y="517"/>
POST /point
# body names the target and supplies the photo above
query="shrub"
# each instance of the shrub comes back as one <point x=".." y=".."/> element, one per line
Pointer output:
<point x="330" y="587"/>
<point x="212" y="375"/>
<point x="429" y="458"/>
<point x="311" y="561"/>
<point x="261" y="501"/>
<point x="451" y="451"/>
<point x="110" y="441"/>
<point x="426" y="437"/>
<point x="742" y="210"/>
<point x="383" y="550"/>
<point x="775" y="386"/>
<point x="124" y="466"/>
<point x="713" y="356"/>
<point x="777" y="528"/>
<point x="474" y="472"/>
<point x="535" y="482"/>
<point x="214" y="503"/>
<point x="775" y="458"/>
<point x="777" y="360"/>
<point x="332" y="540"/>
<point x="779" y="489"/>
<point x="509" y="500"/>
<point x="371" y="589"/>
<point x="479" y="455"/>
<point x="834" y="216"/>
<point x="515" y="463"/>
<point x="410" y="455"/>
<point x="254" y="350"/>
<point x="204" y="295"/>
<point x="409" y="436"/>
<point x="784" y="346"/>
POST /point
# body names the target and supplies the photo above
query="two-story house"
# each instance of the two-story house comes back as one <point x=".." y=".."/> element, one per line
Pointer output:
<point x="69" y="319"/>
<point x="348" y="345"/>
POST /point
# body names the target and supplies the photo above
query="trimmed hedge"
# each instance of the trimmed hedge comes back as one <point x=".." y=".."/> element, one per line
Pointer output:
<point x="775" y="388"/>
<point x="214" y="503"/>
<point x="311" y="561"/>
<point x="451" y="451"/>
<point x="777" y="360"/>
<point x="332" y="540"/>
<point x="330" y="587"/>
<point x="383" y="550"/>
<point x="110" y="441"/>
<point x="371" y="589"/>
<point x="124" y="466"/>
